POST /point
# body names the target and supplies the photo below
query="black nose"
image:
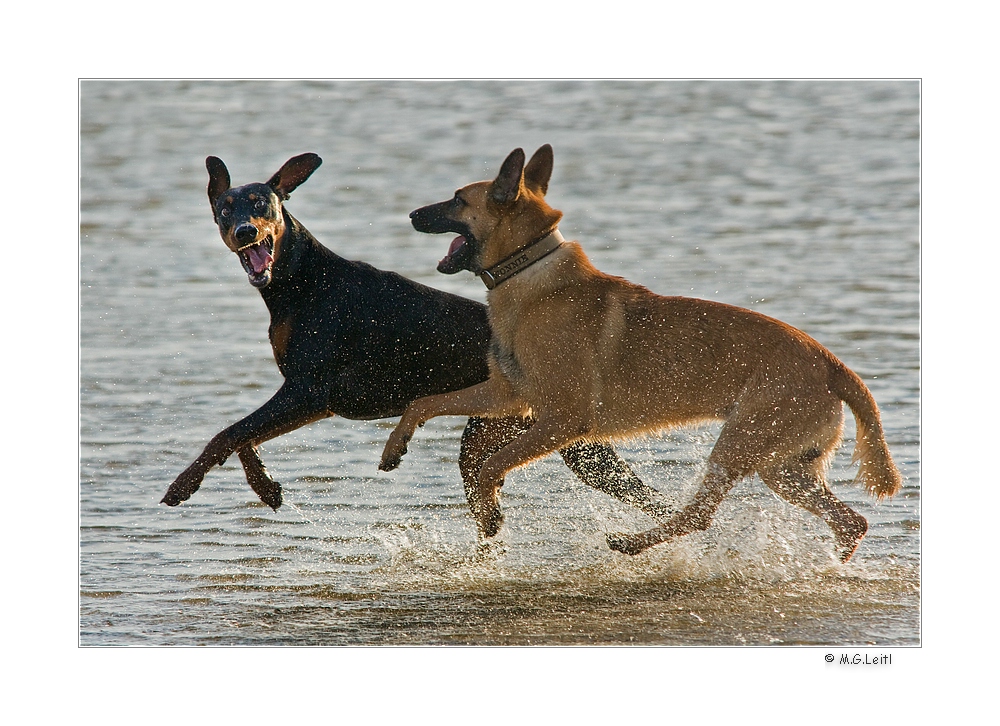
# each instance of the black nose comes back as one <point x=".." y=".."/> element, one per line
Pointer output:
<point x="246" y="233"/>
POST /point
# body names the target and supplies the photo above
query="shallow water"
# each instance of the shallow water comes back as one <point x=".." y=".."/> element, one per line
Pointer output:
<point x="797" y="199"/>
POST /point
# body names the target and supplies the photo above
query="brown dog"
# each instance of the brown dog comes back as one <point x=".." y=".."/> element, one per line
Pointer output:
<point x="595" y="357"/>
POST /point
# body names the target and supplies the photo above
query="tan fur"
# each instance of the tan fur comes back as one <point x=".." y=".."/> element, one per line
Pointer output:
<point x="265" y="226"/>
<point x="595" y="357"/>
<point x="279" y="333"/>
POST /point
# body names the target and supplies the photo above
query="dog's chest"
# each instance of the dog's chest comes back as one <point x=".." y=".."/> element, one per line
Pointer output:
<point x="510" y="309"/>
<point x="504" y="324"/>
<point x="505" y="359"/>
<point x="279" y="332"/>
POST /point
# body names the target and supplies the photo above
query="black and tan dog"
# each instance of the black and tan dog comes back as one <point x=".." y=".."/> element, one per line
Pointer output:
<point x="596" y="358"/>
<point x="354" y="341"/>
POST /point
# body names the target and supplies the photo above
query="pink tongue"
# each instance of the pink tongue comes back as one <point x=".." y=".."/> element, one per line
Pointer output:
<point x="456" y="245"/>
<point x="260" y="258"/>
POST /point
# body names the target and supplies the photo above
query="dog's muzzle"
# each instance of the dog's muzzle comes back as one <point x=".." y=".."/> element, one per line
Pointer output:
<point x="434" y="220"/>
<point x="256" y="257"/>
<point x="245" y="234"/>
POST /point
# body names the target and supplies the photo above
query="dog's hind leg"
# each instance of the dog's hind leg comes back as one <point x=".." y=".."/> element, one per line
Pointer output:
<point x="767" y="427"/>
<point x="799" y="484"/>
<point x="742" y="444"/>
<point x="291" y="407"/>
<point x="695" y="516"/>
<point x="600" y="466"/>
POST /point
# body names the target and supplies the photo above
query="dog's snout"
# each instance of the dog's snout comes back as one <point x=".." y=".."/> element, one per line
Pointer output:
<point x="427" y="219"/>
<point x="246" y="233"/>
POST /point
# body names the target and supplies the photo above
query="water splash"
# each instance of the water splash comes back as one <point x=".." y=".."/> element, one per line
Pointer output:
<point x="311" y="522"/>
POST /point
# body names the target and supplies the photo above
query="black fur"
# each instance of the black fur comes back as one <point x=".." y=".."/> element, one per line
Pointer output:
<point x="358" y="342"/>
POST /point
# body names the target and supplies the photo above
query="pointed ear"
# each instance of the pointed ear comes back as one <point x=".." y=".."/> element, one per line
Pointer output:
<point x="218" y="178"/>
<point x="507" y="186"/>
<point x="294" y="171"/>
<point x="539" y="170"/>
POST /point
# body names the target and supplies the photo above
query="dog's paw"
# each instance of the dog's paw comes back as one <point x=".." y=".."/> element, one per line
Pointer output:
<point x="173" y="498"/>
<point x="486" y="509"/>
<point x="391" y="459"/>
<point x="627" y="544"/>
<point x="490" y="522"/>
<point x="395" y="449"/>
<point x="489" y="550"/>
<point x="849" y="537"/>
<point x="489" y="518"/>
<point x="181" y="490"/>
<point x="269" y="492"/>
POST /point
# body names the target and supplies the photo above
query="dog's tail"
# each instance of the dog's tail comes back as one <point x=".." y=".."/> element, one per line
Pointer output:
<point x="878" y="472"/>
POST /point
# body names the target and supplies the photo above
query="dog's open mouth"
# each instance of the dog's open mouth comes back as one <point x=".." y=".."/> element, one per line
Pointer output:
<point x="257" y="260"/>
<point x="457" y="259"/>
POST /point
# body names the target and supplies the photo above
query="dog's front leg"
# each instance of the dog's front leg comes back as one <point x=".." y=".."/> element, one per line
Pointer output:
<point x="294" y="405"/>
<point x="258" y="477"/>
<point x="548" y="434"/>
<point x="493" y="397"/>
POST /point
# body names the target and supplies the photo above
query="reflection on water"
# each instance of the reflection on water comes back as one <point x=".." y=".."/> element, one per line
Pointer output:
<point x="799" y="200"/>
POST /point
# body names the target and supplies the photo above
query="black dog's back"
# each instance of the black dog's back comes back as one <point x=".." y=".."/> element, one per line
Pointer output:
<point x="403" y="340"/>
<point x="371" y="340"/>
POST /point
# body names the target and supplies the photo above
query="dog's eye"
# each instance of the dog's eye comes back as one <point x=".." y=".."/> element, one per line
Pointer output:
<point x="224" y="213"/>
<point x="458" y="201"/>
<point x="260" y="205"/>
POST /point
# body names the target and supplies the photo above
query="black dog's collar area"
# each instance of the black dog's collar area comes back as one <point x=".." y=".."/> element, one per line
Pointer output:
<point x="521" y="260"/>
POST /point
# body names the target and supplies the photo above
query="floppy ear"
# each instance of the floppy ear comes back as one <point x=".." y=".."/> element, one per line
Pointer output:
<point x="294" y="171"/>
<point x="218" y="178"/>
<point x="539" y="170"/>
<point x="507" y="186"/>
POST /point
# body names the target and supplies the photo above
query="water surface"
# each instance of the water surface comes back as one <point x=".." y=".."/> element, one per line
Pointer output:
<point x="796" y="199"/>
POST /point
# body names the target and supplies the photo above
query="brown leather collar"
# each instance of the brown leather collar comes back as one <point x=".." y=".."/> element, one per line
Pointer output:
<point x="521" y="260"/>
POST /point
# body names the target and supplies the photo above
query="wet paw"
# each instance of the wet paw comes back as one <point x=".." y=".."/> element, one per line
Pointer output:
<point x="395" y="449"/>
<point x="391" y="460"/>
<point x="172" y="498"/>
<point x="849" y="539"/>
<point x="486" y="509"/>
<point x="489" y="550"/>
<point x="269" y="492"/>
<point x="490" y="523"/>
<point x="181" y="490"/>
<point x="627" y="544"/>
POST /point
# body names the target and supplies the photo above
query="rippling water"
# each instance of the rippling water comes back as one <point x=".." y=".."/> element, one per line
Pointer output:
<point x="796" y="199"/>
